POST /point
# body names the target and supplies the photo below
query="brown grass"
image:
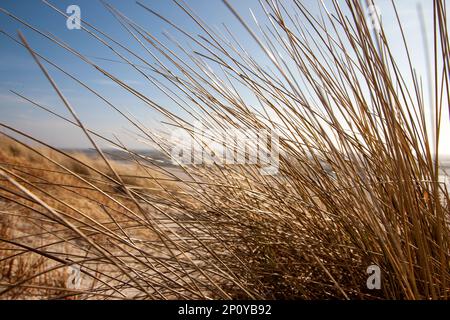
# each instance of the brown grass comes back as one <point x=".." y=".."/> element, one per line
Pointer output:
<point x="358" y="180"/>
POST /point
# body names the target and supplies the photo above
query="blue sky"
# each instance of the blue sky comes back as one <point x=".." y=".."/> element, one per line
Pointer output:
<point x="18" y="72"/>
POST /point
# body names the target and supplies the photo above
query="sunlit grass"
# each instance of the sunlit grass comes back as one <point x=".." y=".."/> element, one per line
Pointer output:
<point x="358" y="180"/>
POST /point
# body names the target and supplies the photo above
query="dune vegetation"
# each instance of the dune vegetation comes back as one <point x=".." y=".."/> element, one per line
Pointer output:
<point x="358" y="183"/>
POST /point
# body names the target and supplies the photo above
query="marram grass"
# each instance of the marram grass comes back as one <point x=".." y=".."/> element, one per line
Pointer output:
<point x="358" y="182"/>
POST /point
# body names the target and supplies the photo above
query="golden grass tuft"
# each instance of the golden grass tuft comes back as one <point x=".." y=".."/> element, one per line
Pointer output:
<point x="358" y="181"/>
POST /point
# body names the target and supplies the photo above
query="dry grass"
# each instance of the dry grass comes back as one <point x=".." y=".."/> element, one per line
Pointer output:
<point x="358" y="180"/>
<point x="24" y="221"/>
